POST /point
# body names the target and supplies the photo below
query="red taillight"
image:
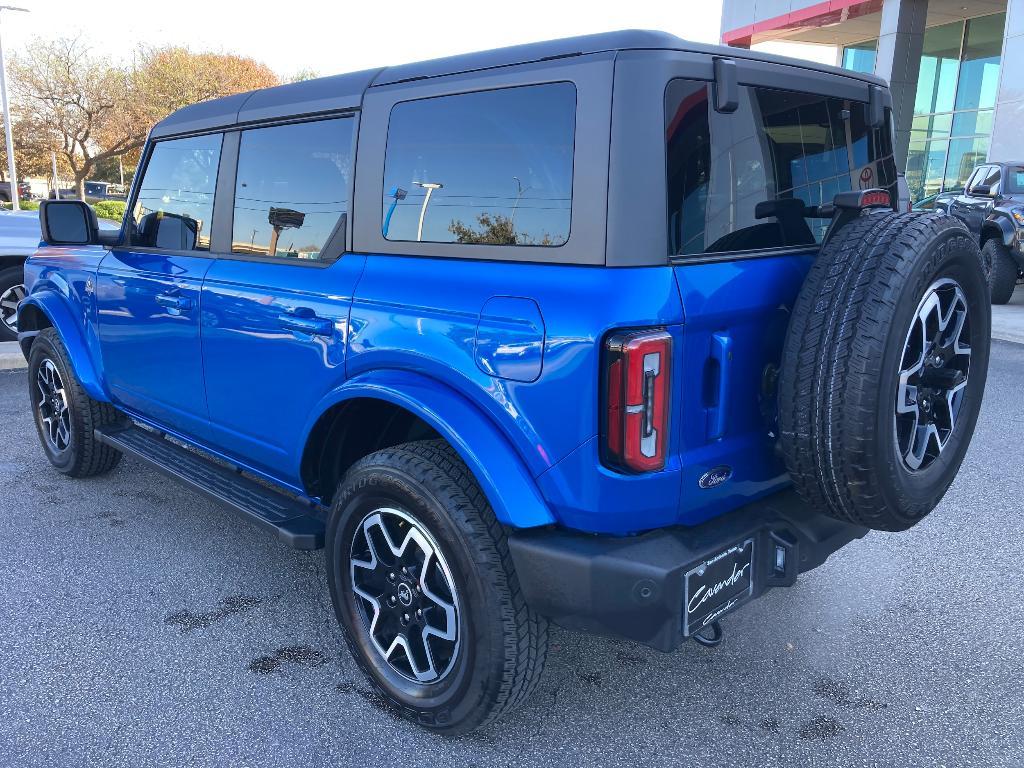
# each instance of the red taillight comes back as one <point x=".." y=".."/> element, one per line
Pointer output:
<point x="876" y="198"/>
<point x="638" y="375"/>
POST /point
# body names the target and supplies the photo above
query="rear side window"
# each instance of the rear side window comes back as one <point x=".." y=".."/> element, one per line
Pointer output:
<point x="292" y="189"/>
<point x="741" y="181"/>
<point x="488" y="168"/>
<point x="174" y="206"/>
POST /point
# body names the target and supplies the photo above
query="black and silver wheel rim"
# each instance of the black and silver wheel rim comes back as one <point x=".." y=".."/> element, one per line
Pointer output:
<point x="933" y="375"/>
<point x="406" y="596"/>
<point x="52" y="407"/>
<point x="9" y="300"/>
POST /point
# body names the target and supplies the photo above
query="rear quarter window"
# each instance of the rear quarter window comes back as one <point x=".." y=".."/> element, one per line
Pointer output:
<point x="485" y="168"/>
<point x="741" y="181"/>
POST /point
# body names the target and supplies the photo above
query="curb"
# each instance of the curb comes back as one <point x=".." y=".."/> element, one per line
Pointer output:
<point x="11" y="357"/>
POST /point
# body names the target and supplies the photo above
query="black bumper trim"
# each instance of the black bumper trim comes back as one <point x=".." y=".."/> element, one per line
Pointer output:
<point x="632" y="587"/>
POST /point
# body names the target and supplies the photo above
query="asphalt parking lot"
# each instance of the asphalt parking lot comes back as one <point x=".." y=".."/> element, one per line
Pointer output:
<point x="142" y="625"/>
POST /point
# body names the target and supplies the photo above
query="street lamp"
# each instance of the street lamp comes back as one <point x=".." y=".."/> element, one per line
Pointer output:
<point x="430" y="186"/>
<point x="7" y="117"/>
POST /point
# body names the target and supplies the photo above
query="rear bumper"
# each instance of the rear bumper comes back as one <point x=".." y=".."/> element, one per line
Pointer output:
<point x="633" y="587"/>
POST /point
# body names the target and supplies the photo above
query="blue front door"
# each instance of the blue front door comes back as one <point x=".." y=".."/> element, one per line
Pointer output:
<point x="148" y="307"/>
<point x="148" y="288"/>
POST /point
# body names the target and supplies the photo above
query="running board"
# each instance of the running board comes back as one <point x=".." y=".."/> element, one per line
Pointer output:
<point x="294" y="521"/>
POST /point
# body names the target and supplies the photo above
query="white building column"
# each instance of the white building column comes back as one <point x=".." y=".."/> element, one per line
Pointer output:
<point x="900" y="43"/>
<point x="1008" y="122"/>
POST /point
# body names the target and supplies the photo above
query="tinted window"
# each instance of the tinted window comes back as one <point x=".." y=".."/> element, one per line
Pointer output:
<point x="1014" y="179"/>
<point x="742" y="181"/>
<point x="175" y="202"/>
<point x="491" y="168"/>
<point x="292" y="188"/>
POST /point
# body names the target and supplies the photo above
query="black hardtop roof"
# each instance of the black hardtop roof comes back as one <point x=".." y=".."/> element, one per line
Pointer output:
<point x="341" y="92"/>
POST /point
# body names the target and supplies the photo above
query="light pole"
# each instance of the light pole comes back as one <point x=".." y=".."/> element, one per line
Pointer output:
<point x="7" y="117"/>
<point x="397" y="193"/>
<point x="430" y="186"/>
<point x="519" y="196"/>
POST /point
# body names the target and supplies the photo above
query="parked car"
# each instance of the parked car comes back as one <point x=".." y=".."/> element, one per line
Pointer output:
<point x="19" y="237"/>
<point x="95" y="191"/>
<point x="992" y="206"/>
<point x="936" y="202"/>
<point x="24" y="191"/>
<point x="565" y="331"/>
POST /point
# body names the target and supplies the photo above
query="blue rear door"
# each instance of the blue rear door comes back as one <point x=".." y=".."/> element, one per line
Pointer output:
<point x="275" y="310"/>
<point x="148" y="288"/>
<point x="741" y="242"/>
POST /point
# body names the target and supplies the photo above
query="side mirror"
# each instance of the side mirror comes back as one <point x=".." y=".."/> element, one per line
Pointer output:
<point x="67" y="222"/>
<point x="981" y="190"/>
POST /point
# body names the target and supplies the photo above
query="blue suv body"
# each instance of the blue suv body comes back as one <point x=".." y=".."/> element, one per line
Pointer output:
<point x="562" y="273"/>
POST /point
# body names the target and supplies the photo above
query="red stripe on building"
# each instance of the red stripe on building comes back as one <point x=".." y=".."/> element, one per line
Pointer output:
<point x="813" y="16"/>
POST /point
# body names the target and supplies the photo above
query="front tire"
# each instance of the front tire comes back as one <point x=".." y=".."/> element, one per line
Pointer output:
<point x="65" y="415"/>
<point x="425" y="591"/>
<point x="1003" y="275"/>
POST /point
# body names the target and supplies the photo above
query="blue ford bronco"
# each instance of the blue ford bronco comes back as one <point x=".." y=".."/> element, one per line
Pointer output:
<point x="618" y="332"/>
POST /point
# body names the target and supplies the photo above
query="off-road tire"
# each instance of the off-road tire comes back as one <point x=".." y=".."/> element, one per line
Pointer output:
<point x="842" y="359"/>
<point x="503" y="642"/>
<point x="1003" y="276"/>
<point x="85" y="456"/>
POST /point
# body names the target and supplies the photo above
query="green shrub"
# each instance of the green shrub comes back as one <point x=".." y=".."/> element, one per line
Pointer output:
<point x="26" y="205"/>
<point x="110" y="209"/>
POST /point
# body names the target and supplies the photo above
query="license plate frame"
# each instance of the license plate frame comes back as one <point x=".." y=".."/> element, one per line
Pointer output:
<point x="718" y="585"/>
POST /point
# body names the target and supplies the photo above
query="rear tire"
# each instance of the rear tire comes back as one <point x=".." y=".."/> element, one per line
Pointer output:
<point x="65" y="415"/>
<point x="1003" y="277"/>
<point x="471" y="649"/>
<point x="884" y="368"/>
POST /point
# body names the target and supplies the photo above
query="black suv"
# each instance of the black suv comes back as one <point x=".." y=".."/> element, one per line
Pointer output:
<point x="992" y="206"/>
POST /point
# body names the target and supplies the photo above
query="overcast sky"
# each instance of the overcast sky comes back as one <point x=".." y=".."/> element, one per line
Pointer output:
<point x="345" y="35"/>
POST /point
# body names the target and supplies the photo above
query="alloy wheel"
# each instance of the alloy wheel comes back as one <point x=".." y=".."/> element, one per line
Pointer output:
<point x="933" y="375"/>
<point x="52" y="406"/>
<point x="9" y="301"/>
<point x="407" y="598"/>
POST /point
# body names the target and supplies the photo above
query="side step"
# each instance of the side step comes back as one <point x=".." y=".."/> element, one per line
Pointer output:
<point x="292" y="520"/>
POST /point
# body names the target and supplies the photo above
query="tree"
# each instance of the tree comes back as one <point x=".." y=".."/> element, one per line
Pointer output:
<point x="174" y="77"/>
<point x="494" y="230"/>
<point x="90" y="112"/>
<point x="77" y="105"/>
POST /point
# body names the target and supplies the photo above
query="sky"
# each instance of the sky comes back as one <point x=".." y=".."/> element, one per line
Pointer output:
<point x="348" y="35"/>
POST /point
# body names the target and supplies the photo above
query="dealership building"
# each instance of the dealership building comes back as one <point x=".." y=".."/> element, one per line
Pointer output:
<point x="955" y="67"/>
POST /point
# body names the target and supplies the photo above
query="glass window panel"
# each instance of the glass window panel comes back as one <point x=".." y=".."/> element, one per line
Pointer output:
<point x="743" y="181"/>
<point x="940" y="62"/>
<point x="860" y="57"/>
<point x="292" y="188"/>
<point x="964" y="155"/>
<point x="490" y="168"/>
<point x="175" y="201"/>
<point x="979" y="72"/>
<point x="916" y="163"/>
<point x="972" y="123"/>
<point x="1014" y="182"/>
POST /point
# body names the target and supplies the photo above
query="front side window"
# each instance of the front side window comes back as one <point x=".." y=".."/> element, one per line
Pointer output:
<point x="486" y="168"/>
<point x="743" y="181"/>
<point x="1014" y="180"/>
<point x="292" y="188"/>
<point x="174" y="206"/>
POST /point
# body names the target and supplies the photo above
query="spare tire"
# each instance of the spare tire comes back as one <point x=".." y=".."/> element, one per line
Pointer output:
<point x="884" y="368"/>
